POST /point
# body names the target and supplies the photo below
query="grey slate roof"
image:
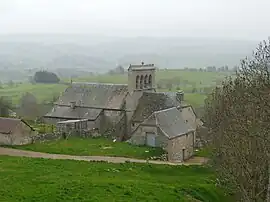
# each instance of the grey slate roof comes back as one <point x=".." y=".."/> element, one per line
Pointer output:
<point x="100" y="95"/>
<point x="151" y="102"/>
<point x="8" y="125"/>
<point x="172" y="95"/>
<point x="141" y="67"/>
<point x="172" y="122"/>
<point x="77" y="113"/>
<point x="95" y="94"/>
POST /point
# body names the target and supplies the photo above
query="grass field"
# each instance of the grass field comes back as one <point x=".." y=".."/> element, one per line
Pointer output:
<point x="34" y="180"/>
<point x="43" y="92"/>
<point x="94" y="147"/>
<point x="200" y="78"/>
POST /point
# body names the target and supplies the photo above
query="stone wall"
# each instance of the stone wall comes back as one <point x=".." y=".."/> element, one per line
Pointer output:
<point x="19" y="136"/>
<point x="181" y="148"/>
<point x="139" y="135"/>
<point x="46" y="137"/>
<point x="5" y="139"/>
<point x="56" y="136"/>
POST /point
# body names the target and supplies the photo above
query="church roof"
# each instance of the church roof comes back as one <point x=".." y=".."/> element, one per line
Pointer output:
<point x="151" y="102"/>
<point x="95" y="95"/>
<point x="100" y="95"/>
<point x="66" y="112"/>
<point x="172" y="122"/>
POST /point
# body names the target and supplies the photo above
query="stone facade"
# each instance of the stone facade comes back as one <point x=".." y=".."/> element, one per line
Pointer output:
<point x="139" y="137"/>
<point x="141" y="77"/>
<point x="181" y="148"/>
<point x="169" y="130"/>
<point x="18" y="133"/>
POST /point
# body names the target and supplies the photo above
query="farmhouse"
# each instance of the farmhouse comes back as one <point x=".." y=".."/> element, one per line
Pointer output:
<point x="117" y="109"/>
<point x="171" y="129"/>
<point x="14" y="131"/>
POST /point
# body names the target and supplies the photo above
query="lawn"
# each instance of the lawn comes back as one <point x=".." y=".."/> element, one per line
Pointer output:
<point x="204" y="152"/>
<point x="94" y="147"/>
<point x="43" y="92"/>
<point x="34" y="180"/>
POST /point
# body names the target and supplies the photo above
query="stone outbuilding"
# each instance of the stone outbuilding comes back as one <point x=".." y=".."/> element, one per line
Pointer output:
<point x="172" y="129"/>
<point x="15" y="131"/>
<point x="72" y="126"/>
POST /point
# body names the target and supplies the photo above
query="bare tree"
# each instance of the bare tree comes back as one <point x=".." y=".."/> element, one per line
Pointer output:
<point x="238" y="117"/>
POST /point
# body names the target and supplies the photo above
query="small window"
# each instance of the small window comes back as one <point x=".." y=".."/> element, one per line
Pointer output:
<point x="133" y="124"/>
<point x="186" y="121"/>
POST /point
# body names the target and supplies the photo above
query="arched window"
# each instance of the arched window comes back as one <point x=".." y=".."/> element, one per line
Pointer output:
<point x="141" y="82"/>
<point x="150" y="81"/>
<point x="137" y="81"/>
<point x="146" y="81"/>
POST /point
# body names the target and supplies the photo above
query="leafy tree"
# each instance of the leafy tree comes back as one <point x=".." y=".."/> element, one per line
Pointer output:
<point x="46" y="77"/>
<point x="237" y="116"/>
<point x="28" y="106"/>
<point x="5" y="106"/>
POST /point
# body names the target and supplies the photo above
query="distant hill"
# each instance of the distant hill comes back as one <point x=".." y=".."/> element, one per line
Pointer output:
<point x="99" y="54"/>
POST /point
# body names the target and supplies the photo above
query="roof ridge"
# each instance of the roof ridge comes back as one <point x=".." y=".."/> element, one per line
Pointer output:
<point x="8" y="118"/>
<point x="116" y="84"/>
<point x="164" y="110"/>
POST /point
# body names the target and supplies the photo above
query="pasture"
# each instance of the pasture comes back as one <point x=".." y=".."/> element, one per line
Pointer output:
<point x="42" y="92"/>
<point x="27" y="180"/>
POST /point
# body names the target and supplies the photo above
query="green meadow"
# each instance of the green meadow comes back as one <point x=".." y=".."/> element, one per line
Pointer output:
<point x="34" y="180"/>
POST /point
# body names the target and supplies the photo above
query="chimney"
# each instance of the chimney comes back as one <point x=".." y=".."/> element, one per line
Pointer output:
<point x="180" y="96"/>
<point x="72" y="105"/>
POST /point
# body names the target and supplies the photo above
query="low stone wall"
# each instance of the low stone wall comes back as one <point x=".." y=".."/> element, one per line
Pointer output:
<point x="46" y="137"/>
<point x="56" y="136"/>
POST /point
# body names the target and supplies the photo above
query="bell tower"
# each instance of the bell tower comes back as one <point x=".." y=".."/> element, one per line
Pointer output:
<point x="141" y="77"/>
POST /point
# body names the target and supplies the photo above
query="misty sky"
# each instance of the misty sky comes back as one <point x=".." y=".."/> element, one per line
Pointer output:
<point x="247" y="19"/>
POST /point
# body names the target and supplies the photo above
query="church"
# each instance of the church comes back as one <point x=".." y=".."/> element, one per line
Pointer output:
<point x="126" y="110"/>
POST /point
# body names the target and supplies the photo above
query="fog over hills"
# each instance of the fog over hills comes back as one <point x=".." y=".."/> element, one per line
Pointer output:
<point x="98" y="54"/>
<point x="75" y="37"/>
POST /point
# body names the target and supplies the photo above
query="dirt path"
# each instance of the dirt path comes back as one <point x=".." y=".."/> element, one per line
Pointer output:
<point x="24" y="153"/>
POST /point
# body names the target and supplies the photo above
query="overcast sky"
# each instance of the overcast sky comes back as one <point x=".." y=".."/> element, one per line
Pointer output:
<point x="249" y="19"/>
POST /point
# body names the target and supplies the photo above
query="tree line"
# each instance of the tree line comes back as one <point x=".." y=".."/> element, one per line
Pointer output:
<point x="237" y="115"/>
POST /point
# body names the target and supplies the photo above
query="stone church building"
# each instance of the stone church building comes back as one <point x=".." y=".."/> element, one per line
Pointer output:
<point x="124" y="109"/>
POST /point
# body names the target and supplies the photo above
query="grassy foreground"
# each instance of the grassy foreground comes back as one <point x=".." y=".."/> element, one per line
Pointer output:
<point x="34" y="180"/>
<point x="94" y="147"/>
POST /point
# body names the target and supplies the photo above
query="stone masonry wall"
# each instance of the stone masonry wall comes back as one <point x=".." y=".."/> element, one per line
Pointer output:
<point x="139" y="136"/>
<point x="181" y="148"/>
